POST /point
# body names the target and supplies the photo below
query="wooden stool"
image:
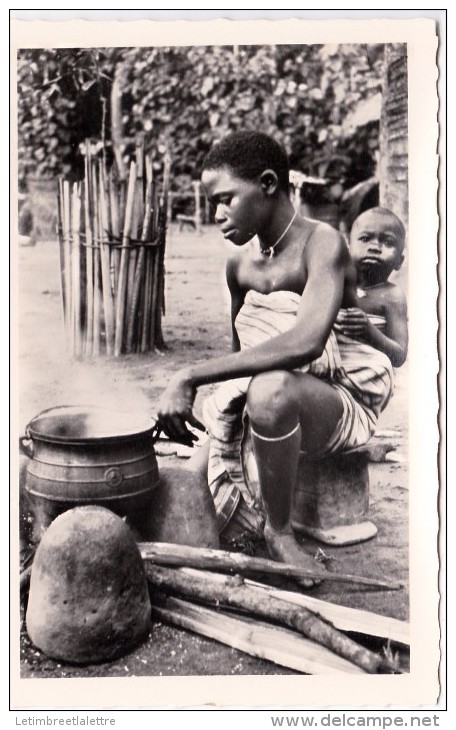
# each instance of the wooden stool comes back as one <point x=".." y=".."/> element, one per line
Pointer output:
<point x="331" y="501"/>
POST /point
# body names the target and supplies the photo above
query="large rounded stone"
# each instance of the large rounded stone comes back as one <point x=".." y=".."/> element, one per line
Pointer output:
<point x="88" y="598"/>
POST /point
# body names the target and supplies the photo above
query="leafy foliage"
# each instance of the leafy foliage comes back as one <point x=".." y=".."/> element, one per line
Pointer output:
<point x="60" y="102"/>
<point x="185" y="98"/>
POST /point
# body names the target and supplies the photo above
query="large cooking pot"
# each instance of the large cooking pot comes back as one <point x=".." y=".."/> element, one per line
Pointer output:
<point x="87" y="455"/>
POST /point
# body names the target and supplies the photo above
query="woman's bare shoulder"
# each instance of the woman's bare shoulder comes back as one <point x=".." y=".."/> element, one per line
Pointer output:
<point x="324" y="240"/>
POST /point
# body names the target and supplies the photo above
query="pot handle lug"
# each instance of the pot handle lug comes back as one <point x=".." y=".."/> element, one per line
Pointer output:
<point x="113" y="476"/>
<point x="26" y="446"/>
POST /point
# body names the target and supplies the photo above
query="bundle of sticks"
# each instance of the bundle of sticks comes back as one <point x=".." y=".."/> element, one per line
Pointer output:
<point x="193" y="591"/>
<point x="112" y="236"/>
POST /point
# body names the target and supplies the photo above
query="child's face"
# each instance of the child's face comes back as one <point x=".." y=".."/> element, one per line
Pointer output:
<point x="241" y="207"/>
<point x="376" y="243"/>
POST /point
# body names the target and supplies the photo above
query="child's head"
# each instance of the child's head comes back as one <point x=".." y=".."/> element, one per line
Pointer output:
<point x="245" y="176"/>
<point x="377" y="241"/>
<point x="247" y="155"/>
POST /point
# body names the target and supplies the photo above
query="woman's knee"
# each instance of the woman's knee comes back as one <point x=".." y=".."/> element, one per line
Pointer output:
<point x="271" y="399"/>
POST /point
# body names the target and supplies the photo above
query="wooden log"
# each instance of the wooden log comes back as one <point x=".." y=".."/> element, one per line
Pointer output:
<point x="207" y="558"/>
<point x="275" y="644"/>
<point x="232" y="592"/>
<point x="123" y="269"/>
<point x="103" y="232"/>
<point x="343" y="617"/>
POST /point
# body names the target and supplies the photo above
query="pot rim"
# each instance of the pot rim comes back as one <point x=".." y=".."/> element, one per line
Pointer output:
<point x="144" y="425"/>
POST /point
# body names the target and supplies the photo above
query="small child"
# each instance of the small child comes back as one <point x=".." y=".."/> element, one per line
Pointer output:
<point x="377" y="241"/>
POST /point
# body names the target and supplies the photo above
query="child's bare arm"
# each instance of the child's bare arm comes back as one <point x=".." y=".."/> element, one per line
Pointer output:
<point x="396" y="334"/>
<point x="393" y="342"/>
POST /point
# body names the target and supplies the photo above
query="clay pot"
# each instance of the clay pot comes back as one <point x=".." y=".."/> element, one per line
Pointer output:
<point x="182" y="510"/>
<point x="88" y="599"/>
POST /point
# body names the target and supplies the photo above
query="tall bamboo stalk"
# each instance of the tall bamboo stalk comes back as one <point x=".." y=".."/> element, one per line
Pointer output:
<point x="115" y="231"/>
<point x="140" y="264"/>
<point x="88" y="207"/>
<point x="67" y="256"/>
<point x="159" y="276"/>
<point x="61" y="250"/>
<point x="76" y="334"/>
<point x="105" y="264"/>
<point x="112" y="292"/>
<point x="123" y="271"/>
<point x="96" y="267"/>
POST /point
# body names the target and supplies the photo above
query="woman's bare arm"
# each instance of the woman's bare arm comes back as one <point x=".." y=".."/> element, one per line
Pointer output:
<point x="326" y="259"/>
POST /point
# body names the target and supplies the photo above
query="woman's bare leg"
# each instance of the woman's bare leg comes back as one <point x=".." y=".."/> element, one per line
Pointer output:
<point x="288" y="412"/>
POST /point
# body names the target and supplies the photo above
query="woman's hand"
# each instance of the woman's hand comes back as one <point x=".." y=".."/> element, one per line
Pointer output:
<point x="175" y="409"/>
<point x="352" y="322"/>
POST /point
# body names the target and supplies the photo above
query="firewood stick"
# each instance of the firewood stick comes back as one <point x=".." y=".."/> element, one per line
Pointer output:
<point x="76" y="335"/>
<point x="163" y="553"/>
<point x="231" y="591"/>
<point x="89" y="252"/>
<point x="343" y="617"/>
<point x="264" y="641"/>
<point x="103" y="231"/>
<point x="123" y="270"/>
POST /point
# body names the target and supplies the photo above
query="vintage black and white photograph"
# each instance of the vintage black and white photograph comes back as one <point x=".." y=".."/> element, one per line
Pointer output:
<point x="215" y="332"/>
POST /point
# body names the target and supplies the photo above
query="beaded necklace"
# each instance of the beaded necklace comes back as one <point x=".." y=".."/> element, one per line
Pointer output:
<point x="269" y="251"/>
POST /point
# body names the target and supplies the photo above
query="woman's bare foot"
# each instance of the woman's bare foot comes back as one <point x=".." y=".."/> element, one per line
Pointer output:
<point x="283" y="546"/>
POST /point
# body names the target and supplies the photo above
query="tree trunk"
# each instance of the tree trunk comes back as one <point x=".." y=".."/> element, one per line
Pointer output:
<point x="116" y="121"/>
<point x="394" y="132"/>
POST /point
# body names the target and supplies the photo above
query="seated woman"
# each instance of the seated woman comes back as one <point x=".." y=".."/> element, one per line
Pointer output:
<point x="301" y="387"/>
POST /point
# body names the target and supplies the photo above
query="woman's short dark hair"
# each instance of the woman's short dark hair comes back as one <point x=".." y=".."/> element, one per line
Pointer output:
<point x="248" y="154"/>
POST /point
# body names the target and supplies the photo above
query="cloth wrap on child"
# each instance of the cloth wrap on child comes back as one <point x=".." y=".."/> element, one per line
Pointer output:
<point x="362" y="375"/>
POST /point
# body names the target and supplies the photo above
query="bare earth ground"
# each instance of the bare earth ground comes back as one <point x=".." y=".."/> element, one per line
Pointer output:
<point x="196" y="326"/>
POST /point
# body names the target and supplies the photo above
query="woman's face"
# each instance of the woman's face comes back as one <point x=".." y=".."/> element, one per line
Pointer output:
<point x="240" y="206"/>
